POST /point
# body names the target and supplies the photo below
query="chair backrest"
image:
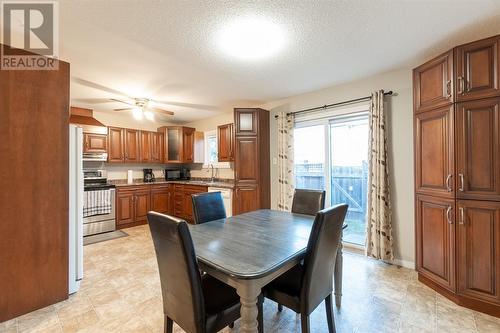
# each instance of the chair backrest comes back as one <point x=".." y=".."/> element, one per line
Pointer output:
<point x="179" y="273"/>
<point x="317" y="282"/>
<point x="308" y="202"/>
<point x="208" y="206"/>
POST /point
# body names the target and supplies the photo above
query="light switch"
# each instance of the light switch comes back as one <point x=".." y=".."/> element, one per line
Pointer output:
<point x="275" y="161"/>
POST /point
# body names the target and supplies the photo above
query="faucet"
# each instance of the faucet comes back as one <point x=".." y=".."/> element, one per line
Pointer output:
<point x="212" y="178"/>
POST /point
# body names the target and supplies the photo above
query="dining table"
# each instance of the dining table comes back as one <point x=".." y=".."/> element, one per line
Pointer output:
<point x="250" y="250"/>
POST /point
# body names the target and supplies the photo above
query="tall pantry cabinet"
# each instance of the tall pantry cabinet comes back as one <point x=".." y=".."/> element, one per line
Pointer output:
<point x="457" y="174"/>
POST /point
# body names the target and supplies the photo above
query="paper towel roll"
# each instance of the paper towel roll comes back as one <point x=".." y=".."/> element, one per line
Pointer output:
<point x="130" y="176"/>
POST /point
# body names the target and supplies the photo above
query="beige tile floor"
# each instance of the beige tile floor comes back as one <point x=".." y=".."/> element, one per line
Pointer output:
<point x="121" y="293"/>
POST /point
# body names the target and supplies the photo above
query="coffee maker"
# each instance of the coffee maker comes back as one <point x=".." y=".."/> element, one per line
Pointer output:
<point x="149" y="176"/>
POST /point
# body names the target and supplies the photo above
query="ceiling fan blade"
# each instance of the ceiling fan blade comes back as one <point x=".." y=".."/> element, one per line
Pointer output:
<point x="164" y="112"/>
<point x="188" y="105"/>
<point x="91" y="100"/>
<point x="97" y="86"/>
<point x="122" y="109"/>
<point x="120" y="101"/>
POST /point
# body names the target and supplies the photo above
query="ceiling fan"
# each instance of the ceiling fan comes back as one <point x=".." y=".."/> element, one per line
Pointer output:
<point x="142" y="107"/>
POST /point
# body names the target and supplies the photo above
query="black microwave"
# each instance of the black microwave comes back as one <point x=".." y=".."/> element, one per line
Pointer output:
<point x="172" y="174"/>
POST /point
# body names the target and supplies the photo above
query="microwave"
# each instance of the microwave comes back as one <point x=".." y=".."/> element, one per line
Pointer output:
<point x="172" y="174"/>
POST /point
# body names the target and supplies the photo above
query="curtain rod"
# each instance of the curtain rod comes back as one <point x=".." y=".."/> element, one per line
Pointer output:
<point x="367" y="98"/>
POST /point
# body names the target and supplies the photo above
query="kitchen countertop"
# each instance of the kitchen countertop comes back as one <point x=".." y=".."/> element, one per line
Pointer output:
<point x="137" y="182"/>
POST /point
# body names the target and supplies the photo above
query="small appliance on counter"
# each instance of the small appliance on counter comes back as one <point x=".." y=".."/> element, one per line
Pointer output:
<point x="149" y="176"/>
<point x="185" y="173"/>
<point x="177" y="174"/>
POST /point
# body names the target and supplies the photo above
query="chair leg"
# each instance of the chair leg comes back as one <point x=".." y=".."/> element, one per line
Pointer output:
<point x="280" y="307"/>
<point x="304" y="322"/>
<point x="169" y="325"/>
<point x="329" y="314"/>
<point x="260" y="316"/>
<point x="231" y="325"/>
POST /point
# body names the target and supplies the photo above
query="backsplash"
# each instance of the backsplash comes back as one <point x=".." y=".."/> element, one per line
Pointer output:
<point x="197" y="171"/>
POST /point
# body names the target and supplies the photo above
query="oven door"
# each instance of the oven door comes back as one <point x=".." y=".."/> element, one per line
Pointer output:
<point x="97" y="224"/>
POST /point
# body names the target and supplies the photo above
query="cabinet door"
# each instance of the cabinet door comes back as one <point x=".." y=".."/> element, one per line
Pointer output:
<point x="435" y="230"/>
<point x="478" y="249"/>
<point x="116" y="151"/>
<point x="124" y="207"/>
<point x="433" y="83"/>
<point x="225" y="142"/>
<point x="246" y="199"/>
<point x="478" y="70"/>
<point x="188" y="145"/>
<point x="246" y="121"/>
<point x="434" y="159"/>
<point x="157" y="147"/>
<point x="246" y="159"/>
<point x="174" y="144"/>
<point x="478" y="149"/>
<point x="95" y="143"/>
<point x="132" y="145"/>
<point x="142" y="205"/>
<point x="160" y="199"/>
<point x="145" y="146"/>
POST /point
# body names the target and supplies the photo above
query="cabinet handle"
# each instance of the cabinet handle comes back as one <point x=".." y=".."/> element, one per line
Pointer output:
<point x="448" y="89"/>
<point x="448" y="184"/>
<point x="462" y="216"/>
<point x="461" y="176"/>
<point x="460" y="80"/>
<point x="448" y="215"/>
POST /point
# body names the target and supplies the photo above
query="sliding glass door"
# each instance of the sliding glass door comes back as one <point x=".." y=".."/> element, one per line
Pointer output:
<point x="332" y="155"/>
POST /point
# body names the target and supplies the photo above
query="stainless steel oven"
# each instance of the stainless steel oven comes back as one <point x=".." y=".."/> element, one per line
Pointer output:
<point x="99" y="223"/>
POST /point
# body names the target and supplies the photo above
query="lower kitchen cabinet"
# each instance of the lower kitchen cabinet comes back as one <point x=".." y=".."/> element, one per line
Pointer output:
<point x="187" y="203"/>
<point x="132" y="205"/>
<point x="160" y="198"/>
<point x="124" y="206"/>
<point x="246" y="198"/>
<point x="142" y="204"/>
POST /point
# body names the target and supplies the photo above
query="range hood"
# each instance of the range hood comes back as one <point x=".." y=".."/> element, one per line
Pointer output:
<point x="84" y="118"/>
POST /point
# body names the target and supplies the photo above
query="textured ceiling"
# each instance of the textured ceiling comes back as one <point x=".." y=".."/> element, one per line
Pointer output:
<point x="167" y="49"/>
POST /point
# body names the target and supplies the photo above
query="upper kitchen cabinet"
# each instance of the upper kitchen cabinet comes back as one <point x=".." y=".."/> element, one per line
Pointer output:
<point x="246" y="121"/>
<point x="95" y="143"/>
<point x="477" y="136"/>
<point x="145" y="146"/>
<point x="115" y="145"/>
<point x="132" y="146"/>
<point x="433" y="83"/>
<point x="95" y="134"/>
<point x="478" y="70"/>
<point x="179" y="144"/>
<point x="157" y="147"/>
<point x="225" y="143"/>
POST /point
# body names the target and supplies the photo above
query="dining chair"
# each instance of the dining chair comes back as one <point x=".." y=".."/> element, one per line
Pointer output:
<point x="305" y="286"/>
<point x="208" y="206"/>
<point x="308" y="202"/>
<point x="198" y="304"/>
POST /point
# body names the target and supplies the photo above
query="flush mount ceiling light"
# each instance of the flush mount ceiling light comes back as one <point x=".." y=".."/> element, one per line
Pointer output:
<point x="251" y="38"/>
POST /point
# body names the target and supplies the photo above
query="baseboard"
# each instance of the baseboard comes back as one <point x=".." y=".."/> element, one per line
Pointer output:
<point x="404" y="263"/>
<point x="358" y="249"/>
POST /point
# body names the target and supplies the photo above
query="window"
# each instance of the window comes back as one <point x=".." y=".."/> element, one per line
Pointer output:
<point x="331" y="154"/>
<point x="211" y="151"/>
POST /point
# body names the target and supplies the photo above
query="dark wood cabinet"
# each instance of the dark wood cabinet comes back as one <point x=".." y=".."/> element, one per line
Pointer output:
<point x="434" y="152"/>
<point x="179" y="143"/>
<point x="435" y="230"/>
<point x="478" y="69"/>
<point x="478" y="149"/>
<point x="478" y="249"/>
<point x="95" y="143"/>
<point x="251" y="160"/>
<point x="116" y="150"/>
<point x="160" y="199"/>
<point x="225" y="143"/>
<point x="433" y="83"/>
<point x="132" y="146"/>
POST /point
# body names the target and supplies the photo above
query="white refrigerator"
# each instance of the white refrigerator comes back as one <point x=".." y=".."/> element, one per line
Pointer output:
<point x="75" y="208"/>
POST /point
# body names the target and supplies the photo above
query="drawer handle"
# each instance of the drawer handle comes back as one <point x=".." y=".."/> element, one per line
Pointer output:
<point x="448" y="184"/>
<point x="448" y="215"/>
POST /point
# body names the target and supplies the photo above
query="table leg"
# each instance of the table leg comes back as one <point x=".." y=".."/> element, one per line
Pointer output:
<point x="337" y="276"/>
<point x="249" y="293"/>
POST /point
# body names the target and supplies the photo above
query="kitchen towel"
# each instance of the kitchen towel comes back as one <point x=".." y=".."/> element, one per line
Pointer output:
<point x="96" y="203"/>
<point x="130" y="177"/>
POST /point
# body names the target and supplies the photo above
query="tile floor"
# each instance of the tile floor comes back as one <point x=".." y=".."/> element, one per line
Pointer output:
<point x="121" y="293"/>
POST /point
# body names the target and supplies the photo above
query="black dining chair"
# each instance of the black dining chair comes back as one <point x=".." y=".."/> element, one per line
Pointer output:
<point x="208" y="206"/>
<point x="306" y="285"/>
<point x="198" y="304"/>
<point x="308" y="202"/>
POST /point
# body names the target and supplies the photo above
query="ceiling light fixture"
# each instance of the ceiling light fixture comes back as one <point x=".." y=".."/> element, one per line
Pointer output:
<point x="137" y="113"/>
<point x="251" y="38"/>
<point x="149" y="115"/>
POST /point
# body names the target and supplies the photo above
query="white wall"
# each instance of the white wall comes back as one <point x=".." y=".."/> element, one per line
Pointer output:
<point x="400" y="140"/>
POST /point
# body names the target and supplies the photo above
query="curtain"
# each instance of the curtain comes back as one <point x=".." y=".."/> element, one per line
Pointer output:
<point x="379" y="241"/>
<point x="285" y="161"/>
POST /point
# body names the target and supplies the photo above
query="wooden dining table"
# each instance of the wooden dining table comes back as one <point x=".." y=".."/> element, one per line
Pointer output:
<point x="250" y="250"/>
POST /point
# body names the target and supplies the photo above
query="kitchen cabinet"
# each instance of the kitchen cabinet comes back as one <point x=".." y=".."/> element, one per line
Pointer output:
<point x="433" y="83"/>
<point x="225" y="143"/>
<point x="434" y="156"/>
<point x="142" y="204"/>
<point x="131" y="138"/>
<point x="182" y="203"/>
<point x="179" y="144"/>
<point x="145" y="147"/>
<point x="132" y="205"/>
<point x="160" y="198"/>
<point x="157" y="147"/>
<point x="478" y="69"/>
<point x="116" y="150"/>
<point x="478" y="149"/>
<point x="95" y="143"/>
<point x="127" y="145"/>
<point x="251" y="160"/>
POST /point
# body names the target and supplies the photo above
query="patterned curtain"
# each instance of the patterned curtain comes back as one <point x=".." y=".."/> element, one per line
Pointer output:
<point x="285" y="161"/>
<point x="379" y="229"/>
